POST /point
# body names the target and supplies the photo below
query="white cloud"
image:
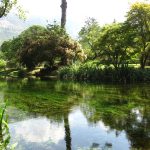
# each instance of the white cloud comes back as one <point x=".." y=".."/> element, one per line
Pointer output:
<point x="48" y="9"/>
<point x="78" y="10"/>
<point x="77" y="115"/>
<point x="41" y="11"/>
<point x="5" y="24"/>
<point x="39" y="130"/>
<point x="102" y="126"/>
<point x="105" y="11"/>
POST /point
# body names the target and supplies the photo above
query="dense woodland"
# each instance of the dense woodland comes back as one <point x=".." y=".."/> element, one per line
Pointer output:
<point x="113" y="52"/>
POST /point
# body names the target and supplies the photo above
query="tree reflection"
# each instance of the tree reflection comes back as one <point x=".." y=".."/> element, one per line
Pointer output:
<point x="138" y="128"/>
<point x="67" y="132"/>
<point x="121" y="108"/>
<point x="44" y="99"/>
<point x="126" y="111"/>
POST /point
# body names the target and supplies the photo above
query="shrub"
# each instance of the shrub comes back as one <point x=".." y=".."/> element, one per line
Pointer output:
<point x="91" y="71"/>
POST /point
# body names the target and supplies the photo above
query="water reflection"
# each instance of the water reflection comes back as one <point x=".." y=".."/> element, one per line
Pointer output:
<point x="40" y="133"/>
<point x="38" y="130"/>
<point x="71" y="116"/>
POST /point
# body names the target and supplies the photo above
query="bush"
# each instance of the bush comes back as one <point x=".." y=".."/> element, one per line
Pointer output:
<point x="91" y="71"/>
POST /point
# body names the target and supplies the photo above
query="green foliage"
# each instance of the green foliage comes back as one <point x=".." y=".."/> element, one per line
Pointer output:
<point x="4" y="130"/>
<point x="30" y="46"/>
<point x="88" y="36"/>
<point x="117" y="106"/>
<point x="37" y="45"/>
<point x="5" y="49"/>
<point x="7" y="5"/>
<point x="93" y="72"/>
<point x="115" y="45"/>
<point x="138" y="19"/>
<point x="2" y="64"/>
<point x="9" y="50"/>
<point x="2" y="111"/>
<point x="120" y="43"/>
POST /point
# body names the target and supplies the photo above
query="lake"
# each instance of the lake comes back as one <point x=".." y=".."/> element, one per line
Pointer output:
<point x="55" y="115"/>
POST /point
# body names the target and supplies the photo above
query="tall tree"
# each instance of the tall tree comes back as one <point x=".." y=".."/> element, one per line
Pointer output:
<point x="115" y="45"/>
<point x="139" y="20"/>
<point x="64" y="11"/>
<point x="88" y="36"/>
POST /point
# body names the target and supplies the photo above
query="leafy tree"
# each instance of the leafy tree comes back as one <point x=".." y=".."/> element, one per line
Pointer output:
<point x="7" y="53"/>
<point x="138" y="19"/>
<point x="2" y="64"/>
<point x="88" y="36"/>
<point x="54" y="46"/>
<point x="12" y="48"/>
<point x="115" y="45"/>
<point x="5" y="49"/>
<point x="36" y="45"/>
<point x="7" y="5"/>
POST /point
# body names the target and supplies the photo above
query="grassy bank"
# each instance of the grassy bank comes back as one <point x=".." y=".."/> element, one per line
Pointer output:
<point x="88" y="72"/>
<point x="99" y="73"/>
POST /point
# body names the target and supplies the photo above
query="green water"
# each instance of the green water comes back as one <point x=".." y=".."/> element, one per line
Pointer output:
<point x="46" y="115"/>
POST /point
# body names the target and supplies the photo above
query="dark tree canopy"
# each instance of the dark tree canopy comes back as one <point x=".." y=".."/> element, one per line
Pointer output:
<point x="37" y="45"/>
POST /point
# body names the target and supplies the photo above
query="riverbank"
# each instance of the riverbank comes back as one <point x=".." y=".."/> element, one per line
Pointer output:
<point x="85" y="73"/>
<point x="99" y="74"/>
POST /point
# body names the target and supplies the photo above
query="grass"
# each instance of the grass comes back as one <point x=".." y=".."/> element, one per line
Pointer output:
<point x="99" y="73"/>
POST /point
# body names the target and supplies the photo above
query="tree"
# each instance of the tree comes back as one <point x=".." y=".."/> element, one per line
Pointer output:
<point x="7" y="5"/>
<point x="138" y="19"/>
<point x="64" y="9"/>
<point x="9" y="50"/>
<point x="12" y="48"/>
<point x="115" y="45"/>
<point x="37" y="45"/>
<point x="88" y="36"/>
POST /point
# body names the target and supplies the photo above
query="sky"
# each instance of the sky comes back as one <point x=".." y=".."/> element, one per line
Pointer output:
<point x="104" y="11"/>
<point x="78" y="11"/>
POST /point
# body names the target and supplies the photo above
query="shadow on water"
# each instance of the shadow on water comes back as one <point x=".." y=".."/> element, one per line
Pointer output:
<point x="80" y="112"/>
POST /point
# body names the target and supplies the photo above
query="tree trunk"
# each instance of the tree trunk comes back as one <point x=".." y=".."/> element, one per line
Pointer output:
<point x="1" y="136"/>
<point x="143" y="61"/>
<point x="142" y="64"/>
<point x="64" y="11"/>
<point x="67" y="132"/>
